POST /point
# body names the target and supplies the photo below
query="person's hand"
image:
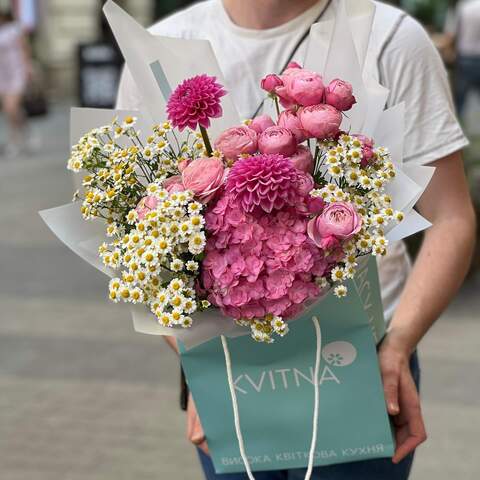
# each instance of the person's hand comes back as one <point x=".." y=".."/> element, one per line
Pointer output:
<point x="195" y="432"/>
<point x="401" y="395"/>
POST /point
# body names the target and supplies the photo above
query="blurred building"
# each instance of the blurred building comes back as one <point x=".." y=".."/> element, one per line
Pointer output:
<point x="64" y="25"/>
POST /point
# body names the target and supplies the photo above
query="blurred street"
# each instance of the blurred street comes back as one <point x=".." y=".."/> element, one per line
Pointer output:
<point x="83" y="397"/>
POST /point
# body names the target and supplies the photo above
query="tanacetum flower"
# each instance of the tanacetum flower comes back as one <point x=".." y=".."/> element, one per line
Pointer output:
<point x="194" y="102"/>
<point x="266" y="181"/>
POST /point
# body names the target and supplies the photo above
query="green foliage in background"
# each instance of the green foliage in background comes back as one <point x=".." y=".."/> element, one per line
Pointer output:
<point x="164" y="7"/>
<point x="429" y="12"/>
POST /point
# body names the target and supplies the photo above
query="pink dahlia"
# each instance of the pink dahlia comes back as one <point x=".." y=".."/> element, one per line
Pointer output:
<point x="265" y="181"/>
<point x="194" y="102"/>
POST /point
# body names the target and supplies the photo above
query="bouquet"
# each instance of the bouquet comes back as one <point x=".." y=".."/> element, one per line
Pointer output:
<point x="260" y="222"/>
<point x="212" y="228"/>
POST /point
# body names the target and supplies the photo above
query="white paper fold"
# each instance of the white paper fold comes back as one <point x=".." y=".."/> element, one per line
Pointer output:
<point x="82" y="237"/>
<point x="179" y="58"/>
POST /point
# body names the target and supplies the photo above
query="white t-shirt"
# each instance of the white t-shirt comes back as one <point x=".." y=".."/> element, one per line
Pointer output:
<point x="409" y="66"/>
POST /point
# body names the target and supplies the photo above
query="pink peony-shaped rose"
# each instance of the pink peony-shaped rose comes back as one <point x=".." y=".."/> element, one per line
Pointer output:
<point x="237" y="141"/>
<point x="293" y="65"/>
<point x="288" y="119"/>
<point x="339" y="94"/>
<point x="204" y="177"/>
<point x="368" y="152"/>
<point x="305" y="184"/>
<point x="173" y="184"/>
<point x="265" y="181"/>
<point x="261" y="123"/>
<point x="320" y="121"/>
<point x="194" y="102"/>
<point x="183" y="165"/>
<point x="271" y="82"/>
<point x="146" y="205"/>
<point x="277" y="140"/>
<point x="338" y="222"/>
<point x="303" y="159"/>
<point x="304" y="87"/>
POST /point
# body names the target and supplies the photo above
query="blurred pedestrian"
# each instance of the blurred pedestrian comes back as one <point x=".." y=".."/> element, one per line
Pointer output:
<point x="15" y="68"/>
<point x="464" y="29"/>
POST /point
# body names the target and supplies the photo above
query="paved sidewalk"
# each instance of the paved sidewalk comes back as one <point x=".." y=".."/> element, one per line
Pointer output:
<point x="82" y="397"/>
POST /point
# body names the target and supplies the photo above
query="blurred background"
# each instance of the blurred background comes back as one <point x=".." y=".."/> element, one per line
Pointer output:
<point x="81" y="395"/>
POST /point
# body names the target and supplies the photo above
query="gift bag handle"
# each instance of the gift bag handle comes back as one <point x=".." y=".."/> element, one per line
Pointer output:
<point x="236" y="415"/>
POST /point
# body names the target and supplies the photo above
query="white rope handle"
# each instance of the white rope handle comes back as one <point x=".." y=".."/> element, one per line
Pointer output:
<point x="236" y="415"/>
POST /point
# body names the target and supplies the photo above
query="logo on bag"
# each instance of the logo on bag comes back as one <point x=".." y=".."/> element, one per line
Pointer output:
<point x="335" y="354"/>
<point x="339" y="354"/>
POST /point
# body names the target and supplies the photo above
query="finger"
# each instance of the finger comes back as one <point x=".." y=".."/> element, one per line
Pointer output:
<point x="204" y="447"/>
<point x="197" y="435"/>
<point x="408" y="446"/>
<point x="411" y="430"/>
<point x="390" y="387"/>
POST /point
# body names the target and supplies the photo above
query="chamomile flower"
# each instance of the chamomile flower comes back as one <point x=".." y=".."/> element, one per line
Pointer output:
<point x="340" y="291"/>
<point x="197" y="243"/>
<point x="338" y="274"/>
<point x="176" y="265"/>
<point x="192" y="266"/>
<point x="187" y="322"/>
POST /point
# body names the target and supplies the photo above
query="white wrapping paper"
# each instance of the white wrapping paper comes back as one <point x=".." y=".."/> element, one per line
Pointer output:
<point x="158" y="63"/>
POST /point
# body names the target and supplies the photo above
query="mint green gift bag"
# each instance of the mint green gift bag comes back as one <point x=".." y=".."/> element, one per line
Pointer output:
<point x="273" y="387"/>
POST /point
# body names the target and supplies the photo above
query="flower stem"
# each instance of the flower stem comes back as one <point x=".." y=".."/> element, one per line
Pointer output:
<point x="206" y="141"/>
<point x="277" y="106"/>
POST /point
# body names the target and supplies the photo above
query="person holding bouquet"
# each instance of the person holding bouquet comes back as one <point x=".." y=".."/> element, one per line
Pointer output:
<point x="253" y="38"/>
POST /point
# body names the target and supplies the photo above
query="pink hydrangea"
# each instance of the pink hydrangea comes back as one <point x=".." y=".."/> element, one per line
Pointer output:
<point x="194" y="102"/>
<point x="260" y="263"/>
<point x="265" y="181"/>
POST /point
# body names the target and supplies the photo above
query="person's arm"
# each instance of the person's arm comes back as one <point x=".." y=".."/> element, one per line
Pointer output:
<point x="439" y="271"/>
<point x="172" y="343"/>
<point x="26" y="53"/>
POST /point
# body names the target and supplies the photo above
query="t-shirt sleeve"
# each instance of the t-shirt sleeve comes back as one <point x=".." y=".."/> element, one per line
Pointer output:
<point x="414" y="72"/>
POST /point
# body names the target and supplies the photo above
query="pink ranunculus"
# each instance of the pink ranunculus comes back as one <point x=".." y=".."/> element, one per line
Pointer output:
<point x="320" y="121"/>
<point x="173" y="184"/>
<point x="271" y="82"/>
<point x="293" y="65"/>
<point x="305" y="88"/>
<point x="367" y="149"/>
<point x="302" y="159"/>
<point x="285" y="100"/>
<point x="339" y="94"/>
<point x="305" y="183"/>
<point x="145" y="205"/>
<point x="204" y="177"/>
<point x="183" y="165"/>
<point x="315" y="205"/>
<point x="261" y="123"/>
<point x="277" y="141"/>
<point x="237" y="141"/>
<point x="338" y="222"/>
<point x="288" y="119"/>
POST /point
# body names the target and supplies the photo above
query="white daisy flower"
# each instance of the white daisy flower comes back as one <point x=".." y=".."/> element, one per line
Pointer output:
<point x="340" y="291"/>
<point x="192" y="266"/>
<point x="176" y="265"/>
<point x="338" y="274"/>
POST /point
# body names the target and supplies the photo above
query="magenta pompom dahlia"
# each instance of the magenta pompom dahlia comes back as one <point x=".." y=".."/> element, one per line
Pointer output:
<point x="265" y="181"/>
<point x="194" y="102"/>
